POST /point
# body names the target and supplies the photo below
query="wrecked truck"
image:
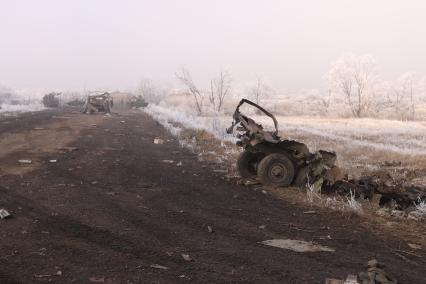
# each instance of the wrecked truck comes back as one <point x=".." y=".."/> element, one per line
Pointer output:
<point x="275" y="161"/>
<point x="51" y="100"/>
<point x="98" y="103"/>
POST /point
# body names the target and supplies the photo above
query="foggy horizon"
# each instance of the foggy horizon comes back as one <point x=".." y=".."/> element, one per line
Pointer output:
<point x="113" y="44"/>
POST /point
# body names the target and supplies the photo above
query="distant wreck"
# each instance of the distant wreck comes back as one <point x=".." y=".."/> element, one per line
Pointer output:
<point x="51" y="100"/>
<point x="98" y="103"/>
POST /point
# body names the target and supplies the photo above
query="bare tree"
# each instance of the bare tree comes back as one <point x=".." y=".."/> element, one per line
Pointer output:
<point x="185" y="77"/>
<point x="259" y="90"/>
<point x="422" y="85"/>
<point x="219" y="88"/>
<point x="325" y="101"/>
<point x="6" y="94"/>
<point x="149" y="91"/>
<point x="404" y="96"/>
<point x="354" y="77"/>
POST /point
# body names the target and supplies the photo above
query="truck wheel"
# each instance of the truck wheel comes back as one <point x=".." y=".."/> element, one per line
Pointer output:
<point x="276" y="170"/>
<point x="247" y="162"/>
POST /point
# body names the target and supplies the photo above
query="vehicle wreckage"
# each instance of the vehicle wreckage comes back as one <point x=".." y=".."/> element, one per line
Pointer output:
<point x="51" y="100"/>
<point x="98" y="103"/>
<point x="275" y="161"/>
<point x="282" y="163"/>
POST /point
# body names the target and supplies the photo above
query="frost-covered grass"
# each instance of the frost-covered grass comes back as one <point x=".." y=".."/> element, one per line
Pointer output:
<point x="170" y="117"/>
<point x="361" y="144"/>
<point x="16" y="101"/>
<point x="406" y="138"/>
<point x="13" y="108"/>
<point x="421" y="207"/>
<point x="351" y="205"/>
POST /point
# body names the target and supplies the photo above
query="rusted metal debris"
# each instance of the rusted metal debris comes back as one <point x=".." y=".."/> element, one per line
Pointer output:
<point x="96" y="103"/>
<point x="391" y="195"/>
<point x="279" y="162"/>
<point x="375" y="274"/>
<point x="275" y="161"/>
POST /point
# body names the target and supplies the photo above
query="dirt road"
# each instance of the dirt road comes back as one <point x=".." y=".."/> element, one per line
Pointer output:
<point x="116" y="209"/>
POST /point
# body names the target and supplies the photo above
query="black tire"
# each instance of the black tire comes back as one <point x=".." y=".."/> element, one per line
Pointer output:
<point x="247" y="163"/>
<point x="276" y="170"/>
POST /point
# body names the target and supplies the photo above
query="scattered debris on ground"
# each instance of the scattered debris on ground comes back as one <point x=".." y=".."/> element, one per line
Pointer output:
<point x="157" y="266"/>
<point x="399" y="199"/>
<point x="4" y="214"/>
<point x="297" y="245"/>
<point x="415" y="246"/>
<point x="351" y="279"/>
<point x="186" y="257"/>
<point x="53" y="194"/>
<point x="97" y="279"/>
<point x="222" y="171"/>
<point x="58" y="273"/>
<point x="375" y="274"/>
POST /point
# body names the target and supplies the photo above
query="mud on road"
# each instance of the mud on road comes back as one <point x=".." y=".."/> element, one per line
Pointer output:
<point x="118" y="208"/>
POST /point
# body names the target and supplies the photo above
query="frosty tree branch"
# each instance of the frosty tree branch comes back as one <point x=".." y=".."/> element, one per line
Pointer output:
<point x="185" y="78"/>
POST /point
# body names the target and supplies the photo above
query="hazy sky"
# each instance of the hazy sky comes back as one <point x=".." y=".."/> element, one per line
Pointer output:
<point x="112" y="44"/>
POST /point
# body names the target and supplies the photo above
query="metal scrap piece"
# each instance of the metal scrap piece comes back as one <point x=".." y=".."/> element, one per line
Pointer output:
<point x="297" y="245"/>
<point x="4" y="214"/>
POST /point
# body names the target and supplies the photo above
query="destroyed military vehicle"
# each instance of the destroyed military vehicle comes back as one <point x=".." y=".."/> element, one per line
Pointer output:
<point x="274" y="161"/>
<point x="98" y="103"/>
<point x="137" y="102"/>
<point x="51" y="100"/>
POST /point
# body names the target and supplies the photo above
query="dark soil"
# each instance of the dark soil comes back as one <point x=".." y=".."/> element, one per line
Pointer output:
<point x="110" y="210"/>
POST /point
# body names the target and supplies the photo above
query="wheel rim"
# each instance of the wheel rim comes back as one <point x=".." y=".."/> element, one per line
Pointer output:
<point x="277" y="172"/>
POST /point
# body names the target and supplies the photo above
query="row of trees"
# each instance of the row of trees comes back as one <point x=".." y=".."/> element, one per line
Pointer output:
<point x="220" y="90"/>
<point x="357" y="81"/>
<point x="353" y="84"/>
